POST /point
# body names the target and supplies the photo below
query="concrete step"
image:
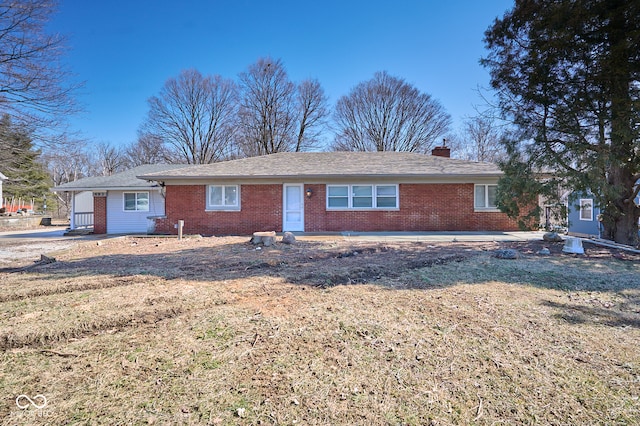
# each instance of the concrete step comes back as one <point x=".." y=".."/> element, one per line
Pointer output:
<point x="73" y="232"/>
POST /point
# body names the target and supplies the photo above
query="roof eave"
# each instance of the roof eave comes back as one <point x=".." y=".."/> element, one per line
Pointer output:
<point x="327" y="176"/>
<point x="103" y="188"/>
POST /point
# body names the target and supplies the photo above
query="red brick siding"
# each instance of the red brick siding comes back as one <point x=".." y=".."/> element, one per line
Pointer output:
<point x="100" y="215"/>
<point x="423" y="207"/>
<point x="261" y="211"/>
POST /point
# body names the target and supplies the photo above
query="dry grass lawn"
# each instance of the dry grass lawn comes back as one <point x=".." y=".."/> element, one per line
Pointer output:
<point x="213" y="331"/>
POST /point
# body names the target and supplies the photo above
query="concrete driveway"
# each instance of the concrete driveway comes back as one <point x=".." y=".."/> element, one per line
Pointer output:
<point x="36" y="234"/>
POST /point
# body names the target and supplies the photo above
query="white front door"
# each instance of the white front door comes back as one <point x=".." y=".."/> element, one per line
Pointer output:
<point x="293" y="210"/>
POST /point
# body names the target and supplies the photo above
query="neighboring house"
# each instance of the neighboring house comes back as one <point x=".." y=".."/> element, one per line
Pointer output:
<point x="583" y="215"/>
<point x="2" y="179"/>
<point x="117" y="204"/>
<point x="332" y="192"/>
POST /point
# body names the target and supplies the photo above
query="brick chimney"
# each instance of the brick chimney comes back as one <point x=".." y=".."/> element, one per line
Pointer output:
<point x="441" y="151"/>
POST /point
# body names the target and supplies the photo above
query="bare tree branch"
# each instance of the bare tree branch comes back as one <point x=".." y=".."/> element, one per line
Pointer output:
<point x="35" y="89"/>
<point x="387" y="114"/>
<point x="196" y="116"/>
<point x="275" y="114"/>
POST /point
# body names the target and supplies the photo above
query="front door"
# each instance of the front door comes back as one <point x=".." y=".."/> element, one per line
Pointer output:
<point x="293" y="211"/>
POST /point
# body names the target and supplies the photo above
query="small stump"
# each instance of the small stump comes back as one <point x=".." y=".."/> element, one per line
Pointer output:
<point x="264" y="238"/>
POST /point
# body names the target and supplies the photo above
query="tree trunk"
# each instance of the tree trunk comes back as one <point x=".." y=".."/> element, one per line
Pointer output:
<point x="626" y="230"/>
<point x="620" y="220"/>
<point x="621" y="223"/>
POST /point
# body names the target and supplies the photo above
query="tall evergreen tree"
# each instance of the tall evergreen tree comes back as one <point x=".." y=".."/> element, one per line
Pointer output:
<point x="19" y="162"/>
<point x="567" y="73"/>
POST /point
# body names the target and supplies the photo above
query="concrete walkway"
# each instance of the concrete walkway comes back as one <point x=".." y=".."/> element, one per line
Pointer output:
<point x="438" y="236"/>
<point x="58" y="233"/>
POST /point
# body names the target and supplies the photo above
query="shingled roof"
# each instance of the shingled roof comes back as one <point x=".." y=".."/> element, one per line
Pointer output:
<point x="118" y="181"/>
<point x="320" y="165"/>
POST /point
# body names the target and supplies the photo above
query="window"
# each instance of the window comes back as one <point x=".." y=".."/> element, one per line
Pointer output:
<point x="362" y="196"/>
<point x="223" y="197"/>
<point x="485" y="197"/>
<point x="386" y="196"/>
<point x="338" y="196"/>
<point x="136" y="201"/>
<point x="586" y="209"/>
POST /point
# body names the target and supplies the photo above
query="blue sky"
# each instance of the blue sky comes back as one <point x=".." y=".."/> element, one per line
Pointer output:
<point x="124" y="51"/>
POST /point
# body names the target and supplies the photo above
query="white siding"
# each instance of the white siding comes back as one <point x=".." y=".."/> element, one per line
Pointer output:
<point x="83" y="202"/>
<point x="120" y="221"/>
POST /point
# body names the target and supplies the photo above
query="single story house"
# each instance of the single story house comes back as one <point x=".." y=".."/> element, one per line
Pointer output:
<point x="332" y="192"/>
<point x="117" y="204"/>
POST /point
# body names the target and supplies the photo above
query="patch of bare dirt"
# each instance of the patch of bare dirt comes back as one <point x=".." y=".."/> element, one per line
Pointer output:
<point x="322" y="263"/>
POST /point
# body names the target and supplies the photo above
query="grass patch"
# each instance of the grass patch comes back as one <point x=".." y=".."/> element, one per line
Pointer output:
<point x="215" y="332"/>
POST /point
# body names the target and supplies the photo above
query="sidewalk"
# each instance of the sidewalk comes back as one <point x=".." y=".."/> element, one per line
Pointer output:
<point x="432" y="236"/>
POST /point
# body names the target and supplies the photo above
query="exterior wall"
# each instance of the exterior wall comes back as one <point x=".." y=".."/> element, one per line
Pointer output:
<point x="423" y="207"/>
<point x="120" y="221"/>
<point x="580" y="227"/>
<point x="584" y="228"/>
<point x="81" y="210"/>
<point x="261" y="211"/>
<point x="99" y="215"/>
<point x="83" y="202"/>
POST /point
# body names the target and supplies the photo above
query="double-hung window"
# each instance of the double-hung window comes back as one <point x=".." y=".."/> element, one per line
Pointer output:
<point x="340" y="197"/>
<point x="485" y="197"/>
<point x="136" y="201"/>
<point x="223" y="197"/>
<point x="586" y="209"/>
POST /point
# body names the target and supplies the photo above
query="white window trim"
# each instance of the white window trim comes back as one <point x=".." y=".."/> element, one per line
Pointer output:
<point x="374" y="197"/>
<point x="582" y="201"/>
<point x="486" y="198"/>
<point x="124" y="202"/>
<point x="214" y="208"/>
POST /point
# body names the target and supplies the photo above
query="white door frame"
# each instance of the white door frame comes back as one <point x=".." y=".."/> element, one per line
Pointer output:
<point x="286" y="226"/>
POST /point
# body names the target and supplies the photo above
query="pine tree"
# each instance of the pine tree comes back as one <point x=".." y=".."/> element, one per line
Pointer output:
<point x="567" y="73"/>
<point x="19" y="162"/>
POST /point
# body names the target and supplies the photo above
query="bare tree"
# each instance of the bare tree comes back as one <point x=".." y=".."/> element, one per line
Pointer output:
<point x="387" y="114"/>
<point x="266" y="114"/>
<point x="110" y="159"/>
<point x="312" y="114"/>
<point x="148" y="149"/>
<point x="64" y="167"/>
<point x="35" y="88"/>
<point x="275" y="114"/>
<point x="196" y="116"/>
<point x="481" y="140"/>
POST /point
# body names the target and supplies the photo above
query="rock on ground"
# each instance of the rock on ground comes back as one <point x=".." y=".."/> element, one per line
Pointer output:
<point x="507" y="254"/>
<point x="288" y="238"/>
<point x="552" y="237"/>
